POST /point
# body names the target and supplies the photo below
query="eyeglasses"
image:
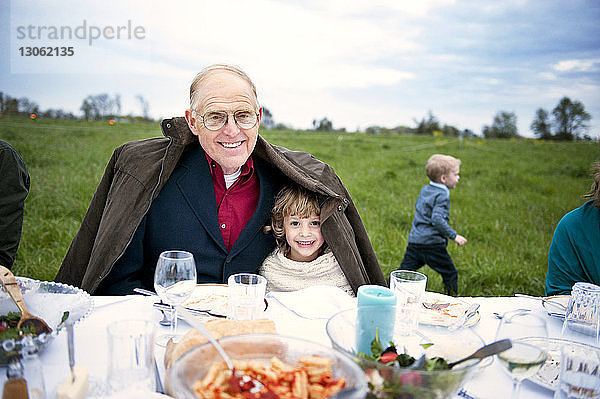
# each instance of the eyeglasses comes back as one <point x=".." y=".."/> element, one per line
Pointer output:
<point x="215" y="120"/>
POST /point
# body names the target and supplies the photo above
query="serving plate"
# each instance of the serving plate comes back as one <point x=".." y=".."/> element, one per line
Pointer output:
<point x="211" y="298"/>
<point x="547" y="376"/>
<point x="48" y="300"/>
<point x="446" y="315"/>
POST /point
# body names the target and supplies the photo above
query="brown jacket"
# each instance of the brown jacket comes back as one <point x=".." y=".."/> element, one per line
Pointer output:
<point x="138" y="170"/>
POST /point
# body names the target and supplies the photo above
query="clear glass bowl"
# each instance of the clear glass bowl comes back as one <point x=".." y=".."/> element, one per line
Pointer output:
<point x="195" y="363"/>
<point x="47" y="300"/>
<point x="395" y="382"/>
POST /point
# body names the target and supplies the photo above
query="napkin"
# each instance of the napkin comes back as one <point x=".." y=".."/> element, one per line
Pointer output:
<point x="315" y="302"/>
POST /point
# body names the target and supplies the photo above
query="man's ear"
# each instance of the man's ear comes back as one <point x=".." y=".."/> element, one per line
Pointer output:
<point x="191" y="121"/>
<point x="443" y="179"/>
<point x="259" y="116"/>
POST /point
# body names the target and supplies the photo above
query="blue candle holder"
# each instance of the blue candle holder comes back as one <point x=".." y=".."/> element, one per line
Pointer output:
<point x="376" y="314"/>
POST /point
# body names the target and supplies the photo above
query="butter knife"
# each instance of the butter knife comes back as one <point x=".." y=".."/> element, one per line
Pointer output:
<point x="71" y="348"/>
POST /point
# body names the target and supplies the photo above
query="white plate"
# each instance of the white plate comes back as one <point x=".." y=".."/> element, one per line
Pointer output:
<point x="209" y="297"/>
<point x="448" y="315"/>
<point x="556" y="305"/>
<point x="547" y="376"/>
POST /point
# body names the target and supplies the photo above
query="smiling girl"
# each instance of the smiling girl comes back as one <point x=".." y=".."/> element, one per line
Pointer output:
<point x="302" y="258"/>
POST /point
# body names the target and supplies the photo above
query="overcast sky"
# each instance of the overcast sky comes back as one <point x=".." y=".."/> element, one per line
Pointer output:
<point x="356" y="62"/>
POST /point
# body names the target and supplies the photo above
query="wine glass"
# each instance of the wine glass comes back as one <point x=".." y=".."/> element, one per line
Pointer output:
<point x="527" y="332"/>
<point x="174" y="281"/>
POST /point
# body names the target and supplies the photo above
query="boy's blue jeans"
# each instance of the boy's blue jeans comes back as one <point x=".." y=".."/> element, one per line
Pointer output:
<point x="438" y="258"/>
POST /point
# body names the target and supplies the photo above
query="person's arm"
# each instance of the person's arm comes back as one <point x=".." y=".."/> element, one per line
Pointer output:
<point x="439" y="217"/>
<point x="460" y="240"/>
<point x="374" y="275"/>
<point x="14" y="183"/>
<point x="75" y="264"/>
<point x="126" y="274"/>
<point x="564" y="267"/>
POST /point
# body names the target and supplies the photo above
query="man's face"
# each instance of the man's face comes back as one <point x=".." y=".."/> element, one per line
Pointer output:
<point x="230" y="146"/>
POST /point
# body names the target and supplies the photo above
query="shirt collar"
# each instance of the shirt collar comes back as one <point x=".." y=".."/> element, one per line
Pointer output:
<point x="440" y="185"/>
<point x="216" y="171"/>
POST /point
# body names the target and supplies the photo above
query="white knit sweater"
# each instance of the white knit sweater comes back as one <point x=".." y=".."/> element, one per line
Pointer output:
<point x="284" y="274"/>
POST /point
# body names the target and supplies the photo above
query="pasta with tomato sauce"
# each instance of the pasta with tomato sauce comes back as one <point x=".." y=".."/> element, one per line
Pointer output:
<point x="312" y="378"/>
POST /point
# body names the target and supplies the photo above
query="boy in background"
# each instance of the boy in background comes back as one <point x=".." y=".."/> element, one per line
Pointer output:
<point x="430" y="231"/>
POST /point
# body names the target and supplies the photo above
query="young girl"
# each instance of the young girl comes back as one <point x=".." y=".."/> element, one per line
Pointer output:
<point x="301" y="258"/>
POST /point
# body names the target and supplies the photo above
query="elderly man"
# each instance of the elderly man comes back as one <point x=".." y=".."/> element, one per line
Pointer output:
<point x="210" y="199"/>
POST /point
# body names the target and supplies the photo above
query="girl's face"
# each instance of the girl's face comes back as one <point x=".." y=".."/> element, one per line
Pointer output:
<point x="303" y="236"/>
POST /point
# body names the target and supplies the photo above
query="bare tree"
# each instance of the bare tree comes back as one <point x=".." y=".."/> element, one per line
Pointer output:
<point x="427" y="126"/>
<point x="27" y="106"/>
<point x="267" y="119"/>
<point x="144" y="105"/>
<point x="117" y="104"/>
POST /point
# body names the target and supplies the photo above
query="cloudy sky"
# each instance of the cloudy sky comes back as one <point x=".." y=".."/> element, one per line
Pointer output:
<point x="356" y="62"/>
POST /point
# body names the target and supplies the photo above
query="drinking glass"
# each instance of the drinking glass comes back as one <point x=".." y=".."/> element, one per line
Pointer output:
<point x="246" y="296"/>
<point x="582" y="317"/>
<point x="525" y="357"/>
<point x="408" y="286"/>
<point x="131" y="355"/>
<point x="174" y="282"/>
<point x="578" y="377"/>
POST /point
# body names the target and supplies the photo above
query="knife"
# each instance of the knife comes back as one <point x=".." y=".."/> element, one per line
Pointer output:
<point x="71" y="348"/>
<point x="162" y="306"/>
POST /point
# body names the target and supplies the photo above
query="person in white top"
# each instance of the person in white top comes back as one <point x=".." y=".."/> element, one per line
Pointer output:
<point x="302" y="258"/>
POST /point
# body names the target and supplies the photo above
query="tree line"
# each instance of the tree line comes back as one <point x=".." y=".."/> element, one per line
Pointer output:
<point x="567" y="120"/>
<point x="93" y="107"/>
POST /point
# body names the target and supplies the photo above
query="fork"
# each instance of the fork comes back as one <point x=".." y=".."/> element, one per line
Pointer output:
<point x="435" y="306"/>
<point x="501" y="315"/>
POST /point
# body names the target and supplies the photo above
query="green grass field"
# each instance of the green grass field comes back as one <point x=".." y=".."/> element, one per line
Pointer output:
<point x="507" y="203"/>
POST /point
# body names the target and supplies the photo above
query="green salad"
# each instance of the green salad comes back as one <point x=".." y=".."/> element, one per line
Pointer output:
<point x="414" y="378"/>
<point x="8" y="327"/>
<point x="390" y="357"/>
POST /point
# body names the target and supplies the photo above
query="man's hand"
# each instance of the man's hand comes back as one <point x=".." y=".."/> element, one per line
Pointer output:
<point x="460" y="240"/>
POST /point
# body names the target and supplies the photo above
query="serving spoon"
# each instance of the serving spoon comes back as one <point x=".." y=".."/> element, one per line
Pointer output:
<point x="485" y="351"/>
<point x="244" y="380"/>
<point x="9" y="282"/>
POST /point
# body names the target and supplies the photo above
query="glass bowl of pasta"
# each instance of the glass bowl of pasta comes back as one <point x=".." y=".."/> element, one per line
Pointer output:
<point x="411" y="366"/>
<point x="284" y="365"/>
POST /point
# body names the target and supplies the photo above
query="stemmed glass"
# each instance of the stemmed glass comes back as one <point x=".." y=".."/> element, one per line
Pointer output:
<point x="174" y="281"/>
<point x="527" y="332"/>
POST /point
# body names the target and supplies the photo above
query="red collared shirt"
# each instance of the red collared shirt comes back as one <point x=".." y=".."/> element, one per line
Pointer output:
<point x="236" y="204"/>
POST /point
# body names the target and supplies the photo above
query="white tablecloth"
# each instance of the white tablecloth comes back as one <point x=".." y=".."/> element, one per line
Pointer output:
<point x="91" y="340"/>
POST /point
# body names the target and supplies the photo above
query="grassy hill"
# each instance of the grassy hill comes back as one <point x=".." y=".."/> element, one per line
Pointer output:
<point x="507" y="203"/>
